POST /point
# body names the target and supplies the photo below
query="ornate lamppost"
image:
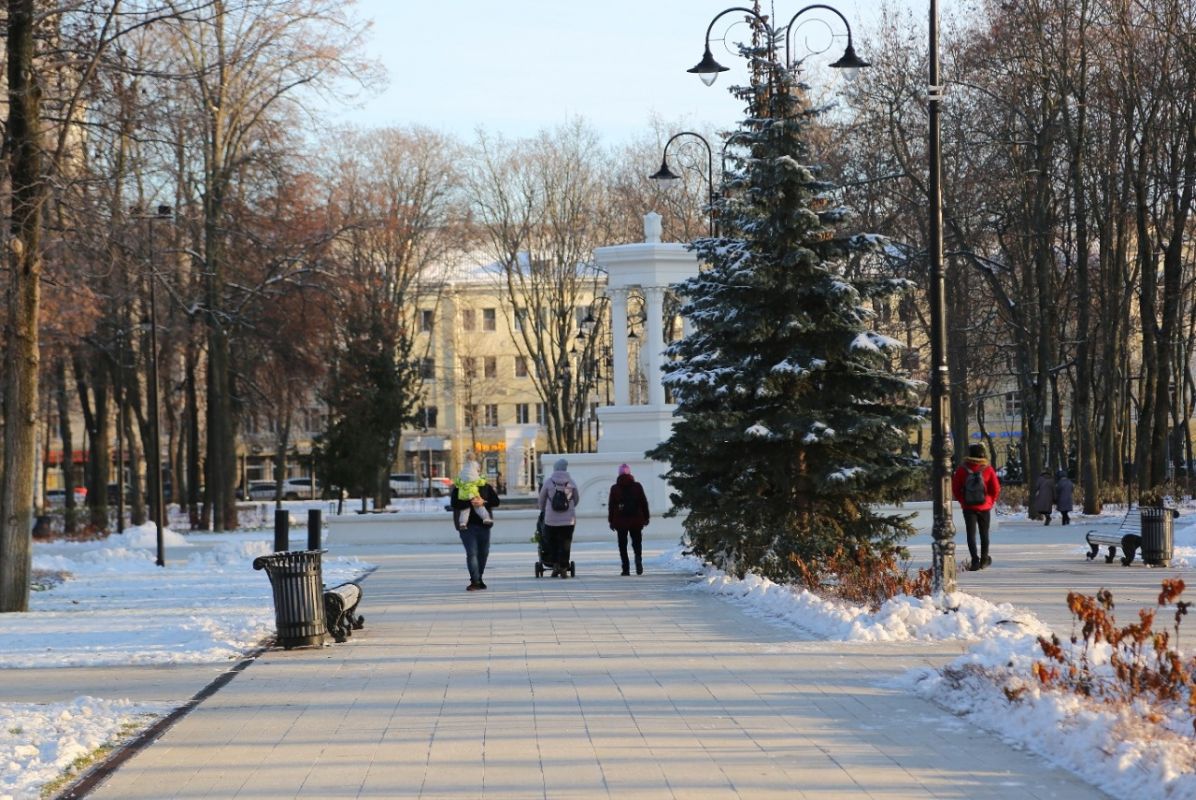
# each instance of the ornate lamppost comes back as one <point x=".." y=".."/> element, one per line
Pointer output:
<point x="708" y="69"/>
<point x="943" y="529"/>
<point x="668" y="178"/>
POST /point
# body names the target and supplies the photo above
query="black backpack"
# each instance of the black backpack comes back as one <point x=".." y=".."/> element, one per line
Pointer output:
<point x="974" y="493"/>
<point x="560" y="500"/>
<point x="626" y="502"/>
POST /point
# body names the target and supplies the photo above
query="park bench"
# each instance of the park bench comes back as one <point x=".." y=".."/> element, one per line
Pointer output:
<point x="1128" y="537"/>
<point x="340" y="610"/>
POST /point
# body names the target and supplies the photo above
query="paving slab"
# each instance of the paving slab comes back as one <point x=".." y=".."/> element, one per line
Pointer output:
<point x="593" y="687"/>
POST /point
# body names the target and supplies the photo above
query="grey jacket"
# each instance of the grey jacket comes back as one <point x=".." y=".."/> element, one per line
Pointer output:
<point x="1064" y="489"/>
<point x="1044" y="495"/>
<point x="559" y="480"/>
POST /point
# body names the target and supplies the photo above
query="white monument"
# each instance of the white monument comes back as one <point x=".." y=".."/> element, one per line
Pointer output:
<point x="627" y="431"/>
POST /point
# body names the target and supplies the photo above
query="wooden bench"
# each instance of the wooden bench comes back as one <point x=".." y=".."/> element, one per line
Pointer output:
<point x="340" y="610"/>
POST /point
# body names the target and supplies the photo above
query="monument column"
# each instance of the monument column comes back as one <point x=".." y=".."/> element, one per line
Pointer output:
<point x="618" y="329"/>
<point x="654" y="342"/>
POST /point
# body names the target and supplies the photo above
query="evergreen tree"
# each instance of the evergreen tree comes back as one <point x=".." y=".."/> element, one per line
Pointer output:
<point x="790" y="424"/>
<point x="372" y="393"/>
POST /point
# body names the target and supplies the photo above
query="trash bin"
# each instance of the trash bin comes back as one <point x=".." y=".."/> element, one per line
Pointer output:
<point x="1157" y="535"/>
<point x="296" y="576"/>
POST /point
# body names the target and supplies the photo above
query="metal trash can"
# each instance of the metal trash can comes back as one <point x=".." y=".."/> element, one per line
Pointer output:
<point x="1157" y="535"/>
<point x="296" y="576"/>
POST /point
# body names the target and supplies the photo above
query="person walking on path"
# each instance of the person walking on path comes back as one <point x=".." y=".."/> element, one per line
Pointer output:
<point x="1064" y="496"/>
<point x="627" y="513"/>
<point x="976" y="488"/>
<point x="1044" y="497"/>
<point x="477" y="512"/>
<point x="558" y="503"/>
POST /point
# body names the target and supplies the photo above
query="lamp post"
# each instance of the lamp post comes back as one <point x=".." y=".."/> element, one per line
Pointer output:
<point x="668" y="178"/>
<point x="158" y="496"/>
<point x="943" y="530"/>
<point x="708" y="69"/>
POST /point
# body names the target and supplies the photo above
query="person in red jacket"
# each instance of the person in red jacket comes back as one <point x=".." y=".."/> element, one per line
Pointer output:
<point x="627" y="513"/>
<point x="977" y="498"/>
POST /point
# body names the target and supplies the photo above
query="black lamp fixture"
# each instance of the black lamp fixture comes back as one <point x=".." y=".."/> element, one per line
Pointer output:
<point x="849" y="62"/>
<point x="708" y="69"/>
<point x="669" y="179"/>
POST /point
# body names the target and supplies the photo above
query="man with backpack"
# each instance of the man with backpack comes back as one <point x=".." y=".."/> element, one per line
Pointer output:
<point x="558" y="500"/>
<point x="976" y="488"/>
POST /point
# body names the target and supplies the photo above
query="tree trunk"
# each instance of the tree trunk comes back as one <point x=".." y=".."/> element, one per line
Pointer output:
<point x="29" y="189"/>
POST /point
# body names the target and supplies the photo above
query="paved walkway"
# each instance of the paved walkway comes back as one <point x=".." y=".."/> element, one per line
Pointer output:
<point x="594" y="687"/>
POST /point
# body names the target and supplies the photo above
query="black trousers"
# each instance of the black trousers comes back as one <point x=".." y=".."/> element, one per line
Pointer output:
<point x="637" y="545"/>
<point x="560" y="543"/>
<point x="977" y="522"/>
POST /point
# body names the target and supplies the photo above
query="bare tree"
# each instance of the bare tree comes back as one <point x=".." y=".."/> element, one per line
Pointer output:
<point x="541" y="207"/>
<point x="245" y="63"/>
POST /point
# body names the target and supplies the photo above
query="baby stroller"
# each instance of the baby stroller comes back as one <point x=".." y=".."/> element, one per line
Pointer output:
<point x="542" y="563"/>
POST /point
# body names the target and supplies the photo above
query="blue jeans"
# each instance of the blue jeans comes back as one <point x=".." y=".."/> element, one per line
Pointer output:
<point x="476" y="539"/>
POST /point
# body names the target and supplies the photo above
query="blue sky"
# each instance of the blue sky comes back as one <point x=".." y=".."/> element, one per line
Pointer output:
<point x="519" y="66"/>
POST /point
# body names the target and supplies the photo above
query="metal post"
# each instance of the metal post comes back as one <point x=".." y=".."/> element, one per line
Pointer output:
<point x="314" y="528"/>
<point x="154" y="419"/>
<point x="282" y="530"/>
<point x="943" y="532"/>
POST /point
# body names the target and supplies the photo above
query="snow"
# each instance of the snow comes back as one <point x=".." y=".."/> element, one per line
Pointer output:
<point x="1109" y="745"/>
<point x="109" y="604"/>
<point x="209" y="607"/>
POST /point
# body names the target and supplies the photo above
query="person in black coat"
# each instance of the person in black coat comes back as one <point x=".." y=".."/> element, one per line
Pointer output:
<point x="475" y="536"/>
<point x="627" y="513"/>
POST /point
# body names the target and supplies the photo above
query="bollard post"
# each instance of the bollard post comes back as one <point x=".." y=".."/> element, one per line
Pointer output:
<point x="314" y="524"/>
<point x="282" y="530"/>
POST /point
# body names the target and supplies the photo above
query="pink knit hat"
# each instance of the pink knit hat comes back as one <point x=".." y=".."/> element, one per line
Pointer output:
<point x="624" y="469"/>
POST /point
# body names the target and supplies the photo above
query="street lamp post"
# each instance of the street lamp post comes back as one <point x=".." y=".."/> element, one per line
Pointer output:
<point x="668" y="178"/>
<point x="708" y="69"/>
<point x="943" y="530"/>
<point x="158" y="496"/>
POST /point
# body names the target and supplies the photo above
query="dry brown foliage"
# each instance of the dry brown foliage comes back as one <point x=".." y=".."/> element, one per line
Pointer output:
<point x="1146" y="663"/>
<point x="862" y="576"/>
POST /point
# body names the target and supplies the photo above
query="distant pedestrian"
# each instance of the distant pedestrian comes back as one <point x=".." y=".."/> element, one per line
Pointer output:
<point x="1044" y="496"/>
<point x="976" y="487"/>
<point x="1064" y="491"/>
<point x="477" y="512"/>
<point x="558" y="502"/>
<point x="627" y="513"/>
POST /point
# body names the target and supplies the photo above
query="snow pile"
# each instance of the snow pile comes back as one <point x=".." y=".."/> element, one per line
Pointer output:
<point x="117" y="606"/>
<point x="39" y="742"/>
<point x="1115" y="747"/>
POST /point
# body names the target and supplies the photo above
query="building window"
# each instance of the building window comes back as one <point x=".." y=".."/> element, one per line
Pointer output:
<point x="469" y="319"/>
<point x="469" y="366"/>
<point x="427" y="368"/>
<point x="539" y="414"/>
<point x="491" y="420"/>
<point x="489" y="319"/>
<point x="471" y="415"/>
<point x="490" y="367"/>
<point x="426" y="319"/>
<point x="519" y="315"/>
<point x="523" y="414"/>
<point x="427" y="417"/>
<point x="520" y="366"/>
<point x="1013" y="404"/>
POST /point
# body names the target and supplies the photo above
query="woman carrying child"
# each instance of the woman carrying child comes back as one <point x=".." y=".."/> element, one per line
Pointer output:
<point x="472" y="500"/>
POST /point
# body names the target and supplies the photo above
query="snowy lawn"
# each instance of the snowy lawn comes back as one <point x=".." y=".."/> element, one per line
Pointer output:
<point x="106" y="603"/>
<point x="1129" y="751"/>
